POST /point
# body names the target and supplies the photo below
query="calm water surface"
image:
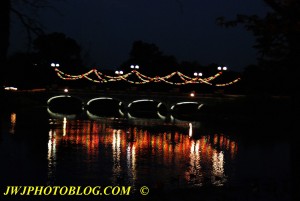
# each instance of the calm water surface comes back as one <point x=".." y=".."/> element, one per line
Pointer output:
<point x="39" y="149"/>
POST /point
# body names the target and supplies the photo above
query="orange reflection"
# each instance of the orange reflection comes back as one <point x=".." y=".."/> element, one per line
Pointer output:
<point x="179" y="151"/>
<point x="13" y="120"/>
<point x="216" y="139"/>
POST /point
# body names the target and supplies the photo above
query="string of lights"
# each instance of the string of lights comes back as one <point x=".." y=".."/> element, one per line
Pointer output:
<point x="143" y="79"/>
<point x="229" y="83"/>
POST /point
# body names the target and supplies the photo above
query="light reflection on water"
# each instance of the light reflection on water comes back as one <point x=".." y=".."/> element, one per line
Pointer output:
<point x="51" y="156"/>
<point x="13" y="119"/>
<point x="36" y="150"/>
<point x="121" y="153"/>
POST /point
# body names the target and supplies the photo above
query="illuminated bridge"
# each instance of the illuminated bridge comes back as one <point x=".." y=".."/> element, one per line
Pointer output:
<point x="127" y="103"/>
<point x="136" y="103"/>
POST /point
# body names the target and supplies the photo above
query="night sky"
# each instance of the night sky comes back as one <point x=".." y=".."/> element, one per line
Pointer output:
<point x="186" y="29"/>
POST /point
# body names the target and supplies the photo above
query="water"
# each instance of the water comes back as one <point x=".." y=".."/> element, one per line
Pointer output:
<point x="39" y="149"/>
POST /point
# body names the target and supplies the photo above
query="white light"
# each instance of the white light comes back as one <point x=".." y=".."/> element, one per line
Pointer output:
<point x="143" y="100"/>
<point x="54" y="65"/>
<point x="219" y="68"/>
<point x="181" y="103"/>
<point x="199" y="74"/>
<point x="54" y="97"/>
<point x="190" y="129"/>
<point x="11" y="88"/>
<point x="101" y="98"/>
<point x="195" y="74"/>
<point x="137" y="67"/>
<point x="116" y="72"/>
<point x="121" y="113"/>
<point x="130" y="116"/>
<point x="224" y="68"/>
<point x="65" y="126"/>
<point x="172" y="118"/>
<point x="200" y="106"/>
<point x="161" y="116"/>
<point x="66" y="90"/>
<point x="132" y="66"/>
<point x="192" y="94"/>
<point x="121" y="72"/>
<point x="159" y="104"/>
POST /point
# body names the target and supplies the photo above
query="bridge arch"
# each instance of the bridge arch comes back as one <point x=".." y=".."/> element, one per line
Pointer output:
<point x="65" y="104"/>
<point x="105" y="106"/>
<point x="147" y="108"/>
<point x="199" y="105"/>
<point x="186" y="110"/>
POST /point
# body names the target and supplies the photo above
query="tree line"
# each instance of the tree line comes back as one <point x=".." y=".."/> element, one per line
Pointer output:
<point x="277" y="43"/>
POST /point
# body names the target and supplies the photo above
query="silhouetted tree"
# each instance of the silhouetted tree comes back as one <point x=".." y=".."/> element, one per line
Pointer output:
<point x="22" y="72"/>
<point x="8" y="7"/>
<point x="277" y="33"/>
<point x="150" y="59"/>
<point x="58" y="48"/>
<point x="4" y="27"/>
<point x="33" y="69"/>
<point x="278" y="43"/>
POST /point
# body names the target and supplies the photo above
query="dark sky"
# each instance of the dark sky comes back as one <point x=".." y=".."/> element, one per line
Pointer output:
<point x="186" y="29"/>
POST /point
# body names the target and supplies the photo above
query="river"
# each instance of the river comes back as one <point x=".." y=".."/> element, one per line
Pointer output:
<point x="37" y="148"/>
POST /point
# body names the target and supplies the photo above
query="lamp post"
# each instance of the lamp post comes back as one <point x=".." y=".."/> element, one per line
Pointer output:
<point x="134" y="66"/>
<point x="222" y="68"/>
<point x="119" y="72"/>
<point x="54" y="65"/>
<point x="196" y="74"/>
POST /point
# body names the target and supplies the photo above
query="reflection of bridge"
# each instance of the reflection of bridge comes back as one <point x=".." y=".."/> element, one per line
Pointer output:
<point x="134" y="100"/>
